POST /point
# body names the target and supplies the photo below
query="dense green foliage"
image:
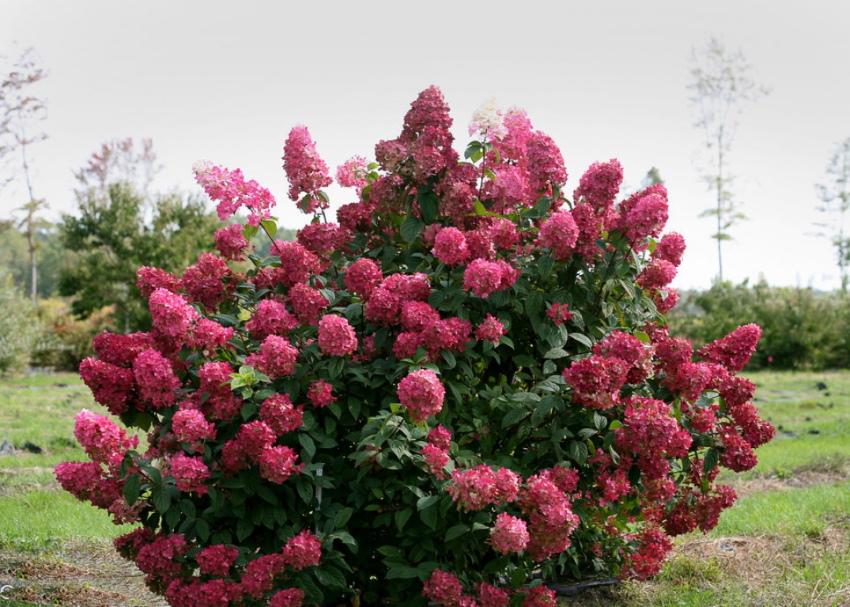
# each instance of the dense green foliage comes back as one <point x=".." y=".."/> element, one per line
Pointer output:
<point x="113" y="238"/>
<point x="19" y="327"/>
<point x="803" y="329"/>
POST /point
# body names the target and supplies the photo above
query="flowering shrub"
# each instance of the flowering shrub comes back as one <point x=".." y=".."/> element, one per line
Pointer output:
<point x="460" y="391"/>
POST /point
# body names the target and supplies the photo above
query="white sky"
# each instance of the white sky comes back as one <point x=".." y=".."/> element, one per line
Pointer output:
<point x="226" y="80"/>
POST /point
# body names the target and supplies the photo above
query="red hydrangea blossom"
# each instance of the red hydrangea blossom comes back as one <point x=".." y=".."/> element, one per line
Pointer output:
<point x="336" y="336"/>
<point x="596" y="381"/>
<point x="559" y="233"/>
<point x="320" y="394"/>
<point x="450" y="247"/>
<point x="671" y="248"/>
<point x="302" y="551"/>
<point x="734" y="350"/>
<point x="559" y="313"/>
<point x="277" y="464"/>
<point x="276" y="357"/>
<point x="657" y="274"/>
<point x="483" y="278"/>
<point x="323" y="238"/>
<point x="150" y="279"/>
<point x="480" y="486"/>
<point x="231" y="191"/>
<point x="278" y="412"/>
<point x="422" y="393"/>
<point x="231" y="242"/>
<point x="190" y="426"/>
<point x="288" y="597"/>
<point x="600" y="183"/>
<point x="509" y="534"/>
<point x="436" y="458"/>
<point x="352" y="173"/>
<point x="111" y="386"/>
<point x="271" y="318"/>
<point x="306" y="171"/>
<point x="491" y="329"/>
<point x="206" y="281"/>
<point x="362" y="277"/>
<point x="190" y="473"/>
<point x="155" y="379"/>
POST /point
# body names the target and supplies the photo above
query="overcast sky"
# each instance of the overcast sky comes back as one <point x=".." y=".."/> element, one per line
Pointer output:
<point x="226" y="81"/>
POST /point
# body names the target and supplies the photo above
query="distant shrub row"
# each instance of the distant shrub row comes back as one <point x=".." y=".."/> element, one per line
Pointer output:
<point x="803" y="328"/>
<point x="46" y="335"/>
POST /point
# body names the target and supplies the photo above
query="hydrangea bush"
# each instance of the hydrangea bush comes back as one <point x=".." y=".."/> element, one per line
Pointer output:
<point x="461" y="390"/>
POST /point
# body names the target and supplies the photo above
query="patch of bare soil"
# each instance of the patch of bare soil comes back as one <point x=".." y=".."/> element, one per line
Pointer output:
<point x="78" y="575"/>
<point x="799" y="480"/>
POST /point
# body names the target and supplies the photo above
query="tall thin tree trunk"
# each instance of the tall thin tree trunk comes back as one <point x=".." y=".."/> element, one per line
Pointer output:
<point x="31" y="244"/>
<point x="720" y="205"/>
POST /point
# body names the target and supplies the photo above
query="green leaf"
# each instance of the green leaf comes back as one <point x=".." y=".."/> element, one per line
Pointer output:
<point x="342" y="516"/>
<point x="411" y="228"/>
<point x="555" y="353"/>
<point x="161" y="500"/>
<point x="401" y="518"/>
<point x="132" y="487"/>
<point x="578" y="452"/>
<point x="455" y="532"/>
<point x="308" y="445"/>
<point x="250" y="231"/>
<point x="712" y="457"/>
<point x="514" y="416"/>
<point x="582" y="339"/>
<point x="402" y="572"/>
<point x="428" y="205"/>
<point x="244" y="528"/>
<point x="270" y="226"/>
<point x="330" y="577"/>
<point x="202" y="529"/>
<point x="429" y="517"/>
<point x="426" y="502"/>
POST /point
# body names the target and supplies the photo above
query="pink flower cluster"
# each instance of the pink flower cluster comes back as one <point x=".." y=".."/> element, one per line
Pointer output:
<point x="551" y="519"/>
<point x="271" y="318"/>
<point x="352" y="173"/>
<point x="336" y="336"/>
<point x="276" y="357"/>
<point x="306" y="171"/>
<point x="509" y="534"/>
<point x="231" y="242"/>
<point x="231" y="191"/>
<point x="600" y="184"/>
<point x="596" y="381"/>
<point x="480" y="486"/>
<point x="483" y="278"/>
<point x="560" y="234"/>
<point x="422" y="394"/>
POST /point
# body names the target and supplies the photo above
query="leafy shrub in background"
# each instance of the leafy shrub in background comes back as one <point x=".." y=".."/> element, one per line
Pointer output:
<point x="459" y="392"/>
<point x="66" y="340"/>
<point x="19" y="327"/>
<point x="802" y="329"/>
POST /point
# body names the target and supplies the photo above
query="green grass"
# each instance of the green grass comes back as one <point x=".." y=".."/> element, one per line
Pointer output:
<point x="809" y="511"/>
<point x="812" y="425"/>
<point x="39" y="519"/>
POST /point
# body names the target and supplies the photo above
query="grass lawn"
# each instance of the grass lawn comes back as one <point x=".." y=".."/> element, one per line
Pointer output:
<point x="785" y="543"/>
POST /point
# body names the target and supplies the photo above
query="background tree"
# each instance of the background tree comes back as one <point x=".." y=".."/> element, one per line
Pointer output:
<point x="652" y="177"/>
<point x="21" y="113"/>
<point x="119" y="160"/>
<point x="834" y="197"/>
<point x="113" y="237"/>
<point x="721" y="85"/>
